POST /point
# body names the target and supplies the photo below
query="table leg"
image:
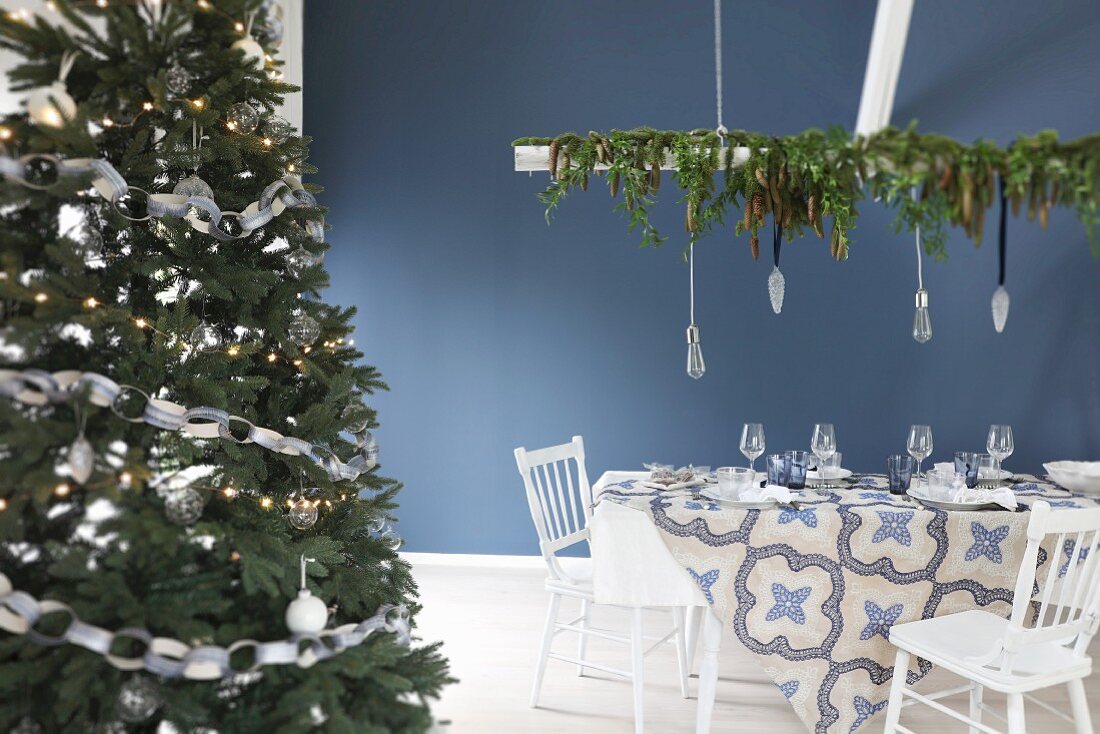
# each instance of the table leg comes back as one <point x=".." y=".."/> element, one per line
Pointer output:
<point x="708" y="671"/>
<point x="694" y="623"/>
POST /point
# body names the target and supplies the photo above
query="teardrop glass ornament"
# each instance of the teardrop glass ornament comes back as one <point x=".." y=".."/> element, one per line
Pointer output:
<point x="81" y="459"/>
<point x="1000" y="308"/>
<point x="776" y="288"/>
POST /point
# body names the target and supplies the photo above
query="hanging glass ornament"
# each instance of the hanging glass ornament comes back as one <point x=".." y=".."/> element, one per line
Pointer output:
<point x="138" y="698"/>
<point x="242" y="118"/>
<point x="355" y="417"/>
<point x="183" y="506"/>
<point x="303" y="514"/>
<point x="81" y="459"/>
<point x="272" y="31"/>
<point x="777" y="286"/>
<point x="696" y="367"/>
<point x="922" y="320"/>
<point x="178" y="80"/>
<point x="299" y="261"/>
<point x="278" y="129"/>
<point x="205" y="338"/>
<point x="193" y="186"/>
<point x="303" y="329"/>
<point x="1000" y="308"/>
<point x="306" y="615"/>
<point x="26" y="725"/>
<point x="111" y="727"/>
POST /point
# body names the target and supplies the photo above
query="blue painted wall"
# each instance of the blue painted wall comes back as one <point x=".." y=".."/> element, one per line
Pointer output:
<point x="495" y="330"/>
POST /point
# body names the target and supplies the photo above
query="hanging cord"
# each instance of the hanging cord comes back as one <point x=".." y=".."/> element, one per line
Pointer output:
<point x="691" y="270"/>
<point x="920" y="260"/>
<point x="777" y="240"/>
<point x="1001" y="242"/>
<point x="67" y="60"/>
<point x="721" y="129"/>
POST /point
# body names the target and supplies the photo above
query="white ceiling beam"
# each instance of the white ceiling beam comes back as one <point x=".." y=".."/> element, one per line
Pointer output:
<point x="883" y="65"/>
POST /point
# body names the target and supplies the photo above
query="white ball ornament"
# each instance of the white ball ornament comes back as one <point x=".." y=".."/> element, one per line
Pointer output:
<point x="253" y="52"/>
<point x="306" y="615"/>
<point x="51" y="106"/>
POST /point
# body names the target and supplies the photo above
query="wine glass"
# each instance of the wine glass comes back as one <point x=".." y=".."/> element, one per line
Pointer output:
<point x="752" y="442"/>
<point x="999" y="445"/>
<point x="823" y="444"/>
<point x="919" y="443"/>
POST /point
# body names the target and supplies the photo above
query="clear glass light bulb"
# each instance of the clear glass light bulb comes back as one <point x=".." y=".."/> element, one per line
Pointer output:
<point x="696" y="367"/>
<point x="922" y="321"/>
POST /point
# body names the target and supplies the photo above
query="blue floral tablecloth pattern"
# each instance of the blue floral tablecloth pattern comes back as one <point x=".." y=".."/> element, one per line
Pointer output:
<point x="814" y="591"/>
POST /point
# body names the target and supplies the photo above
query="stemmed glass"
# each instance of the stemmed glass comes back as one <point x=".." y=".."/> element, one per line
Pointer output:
<point x="752" y="442"/>
<point x="823" y="445"/>
<point x="999" y="445"/>
<point x="920" y="444"/>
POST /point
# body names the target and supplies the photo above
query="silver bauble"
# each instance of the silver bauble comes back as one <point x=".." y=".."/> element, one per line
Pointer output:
<point x="81" y="460"/>
<point x="205" y="338"/>
<point x="299" y="261"/>
<point x="183" y="506"/>
<point x="303" y="329"/>
<point x="278" y="129"/>
<point x="193" y="186"/>
<point x="303" y="514"/>
<point x="178" y="80"/>
<point x="242" y="118"/>
<point x="138" y="698"/>
<point x="354" y="417"/>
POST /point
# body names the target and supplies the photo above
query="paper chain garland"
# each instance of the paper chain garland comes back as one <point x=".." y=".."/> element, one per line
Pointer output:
<point x="170" y="658"/>
<point x="37" y="387"/>
<point x="285" y="193"/>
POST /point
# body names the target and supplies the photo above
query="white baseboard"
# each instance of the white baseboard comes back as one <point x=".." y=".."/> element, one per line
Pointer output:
<point x="473" y="560"/>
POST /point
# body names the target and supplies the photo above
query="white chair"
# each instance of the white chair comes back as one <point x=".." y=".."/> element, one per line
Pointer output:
<point x="1042" y="644"/>
<point x="561" y="513"/>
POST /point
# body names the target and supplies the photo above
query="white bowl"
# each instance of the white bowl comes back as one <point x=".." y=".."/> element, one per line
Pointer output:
<point x="1076" y="476"/>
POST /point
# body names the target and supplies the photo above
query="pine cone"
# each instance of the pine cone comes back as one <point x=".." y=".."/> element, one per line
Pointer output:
<point x="947" y="177"/>
<point x="754" y="244"/>
<point x="761" y="178"/>
<point x="787" y="214"/>
<point x="758" y="206"/>
<point x="834" y="239"/>
<point x="811" y="209"/>
<point x="1044" y="214"/>
<point x="1017" y="202"/>
<point x="689" y="218"/>
<point x="613" y="179"/>
<point x="554" y="146"/>
<point x="584" y="182"/>
<point x="747" y="211"/>
<point x="655" y="178"/>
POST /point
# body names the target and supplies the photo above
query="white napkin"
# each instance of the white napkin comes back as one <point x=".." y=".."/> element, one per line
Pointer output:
<point x="770" y="492"/>
<point x="1002" y="496"/>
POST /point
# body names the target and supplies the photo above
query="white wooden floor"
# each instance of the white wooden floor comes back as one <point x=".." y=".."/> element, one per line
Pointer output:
<point x="490" y="620"/>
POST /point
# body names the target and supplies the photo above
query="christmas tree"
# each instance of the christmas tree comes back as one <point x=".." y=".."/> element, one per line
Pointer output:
<point x="184" y="424"/>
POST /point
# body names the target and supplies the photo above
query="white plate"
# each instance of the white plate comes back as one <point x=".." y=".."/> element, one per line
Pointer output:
<point x="838" y="476"/>
<point x="742" y="504"/>
<point x="1076" y="476"/>
<point x="953" y="506"/>
<point x="669" y="487"/>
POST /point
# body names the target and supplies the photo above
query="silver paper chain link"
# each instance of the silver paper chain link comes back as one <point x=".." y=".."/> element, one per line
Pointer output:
<point x="37" y="387"/>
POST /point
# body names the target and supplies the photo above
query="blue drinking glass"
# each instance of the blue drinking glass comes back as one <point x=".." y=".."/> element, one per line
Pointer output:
<point x="797" y="464"/>
<point x="966" y="463"/>
<point x="899" y="470"/>
<point x="777" y="469"/>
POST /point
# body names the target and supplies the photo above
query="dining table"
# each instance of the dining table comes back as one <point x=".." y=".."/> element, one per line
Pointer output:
<point x="811" y="588"/>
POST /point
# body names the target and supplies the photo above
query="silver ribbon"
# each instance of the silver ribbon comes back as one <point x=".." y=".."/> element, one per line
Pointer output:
<point x="37" y="387"/>
<point x="171" y="658"/>
<point x="279" y="196"/>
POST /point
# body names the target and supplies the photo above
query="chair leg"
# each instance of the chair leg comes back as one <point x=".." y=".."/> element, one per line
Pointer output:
<point x="1016" y="713"/>
<point x="637" y="670"/>
<point x="544" y="649"/>
<point x="897" y="685"/>
<point x="681" y="649"/>
<point x="975" y="706"/>
<point x="694" y="625"/>
<point x="582" y="642"/>
<point x="1081" y="720"/>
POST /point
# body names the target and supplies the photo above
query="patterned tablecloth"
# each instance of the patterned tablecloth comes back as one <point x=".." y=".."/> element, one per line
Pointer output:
<point x="813" y="592"/>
